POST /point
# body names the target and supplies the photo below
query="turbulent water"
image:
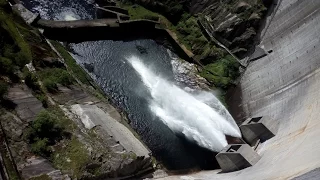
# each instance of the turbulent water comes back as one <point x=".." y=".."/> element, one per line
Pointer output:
<point x="185" y="113"/>
<point x="159" y="108"/>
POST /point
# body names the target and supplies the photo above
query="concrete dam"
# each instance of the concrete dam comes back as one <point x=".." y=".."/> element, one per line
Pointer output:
<point x="284" y="85"/>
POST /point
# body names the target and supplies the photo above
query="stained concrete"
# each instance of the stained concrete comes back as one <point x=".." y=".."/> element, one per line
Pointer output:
<point x="284" y="85"/>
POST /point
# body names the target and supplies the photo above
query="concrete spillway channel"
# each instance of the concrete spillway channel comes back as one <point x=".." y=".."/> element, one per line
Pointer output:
<point x="284" y="85"/>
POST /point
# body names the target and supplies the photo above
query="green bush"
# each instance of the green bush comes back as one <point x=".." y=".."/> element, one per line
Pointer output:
<point x="58" y="76"/>
<point x="43" y="99"/>
<point x="44" y="132"/>
<point x="51" y="77"/>
<point x="222" y="73"/>
<point x="45" y="126"/>
<point x="6" y="66"/>
<point x="41" y="147"/>
<point x="73" y="67"/>
<point x="3" y="89"/>
<point x="31" y="81"/>
<point x="50" y="85"/>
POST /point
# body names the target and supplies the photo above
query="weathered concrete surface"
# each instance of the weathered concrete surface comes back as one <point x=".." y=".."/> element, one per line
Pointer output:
<point x="285" y="85"/>
<point x="27" y="106"/>
<point x="37" y="166"/>
<point x="92" y="116"/>
<point x="113" y="148"/>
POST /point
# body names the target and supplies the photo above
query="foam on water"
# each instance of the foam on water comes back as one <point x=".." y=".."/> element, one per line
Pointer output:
<point x="186" y="113"/>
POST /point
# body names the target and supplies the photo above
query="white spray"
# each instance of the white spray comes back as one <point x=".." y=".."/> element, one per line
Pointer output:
<point x="185" y="113"/>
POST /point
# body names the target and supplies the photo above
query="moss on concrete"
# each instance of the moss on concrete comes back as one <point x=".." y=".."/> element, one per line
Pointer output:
<point x="72" y="157"/>
<point x="72" y="65"/>
<point x="22" y="53"/>
<point x="42" y="177"/>
<point x="51" y="77"/>
<point x="12" y="173"/>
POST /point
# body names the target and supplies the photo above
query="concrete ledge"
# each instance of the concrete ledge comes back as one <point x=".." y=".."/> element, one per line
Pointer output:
<point x="258" y="128"/>
<point x="235" y="157"/>
<point x="28" y="16"/>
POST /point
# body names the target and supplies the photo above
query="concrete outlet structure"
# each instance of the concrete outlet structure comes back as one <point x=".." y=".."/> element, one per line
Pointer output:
<point x="235" y="157"/>
<point x="258" y="129"/>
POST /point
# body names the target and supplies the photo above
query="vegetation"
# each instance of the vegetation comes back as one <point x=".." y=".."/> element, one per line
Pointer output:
<point x="9" y="165"/>
<point x="31" y="80"/>
<point x="73" y="157"/>
<point x="43" y="132"/>
<point x="6" y="66"/>
<point x="139" y="12"/>
<point x="190" y="34"/>
<point x="42" y="177"/>
<point x="170" y="8"/>
<point x="51" y="77"/>
<point x="222" y="73"/>
<point x="14" y="46"/>
<point x="72" y="65"/>
<point x="41" y="147"/>
<point x="3" y="89"/>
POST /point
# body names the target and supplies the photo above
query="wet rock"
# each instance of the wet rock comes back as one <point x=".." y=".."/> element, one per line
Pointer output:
<point x="142" y="49"/>
<point x="89" y="67"/>
<point x="186" y="74"/>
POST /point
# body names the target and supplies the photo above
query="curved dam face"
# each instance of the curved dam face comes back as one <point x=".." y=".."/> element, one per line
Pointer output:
<point x="285" y="85"/>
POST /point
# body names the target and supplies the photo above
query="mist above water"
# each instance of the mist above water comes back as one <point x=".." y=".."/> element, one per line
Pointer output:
<point x="186" y="113"/>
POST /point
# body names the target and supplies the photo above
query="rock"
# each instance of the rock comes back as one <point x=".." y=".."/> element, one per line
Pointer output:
<point x="186" y="74"/>
<point x="242" y="6"/>
<point x="52" y="62"/>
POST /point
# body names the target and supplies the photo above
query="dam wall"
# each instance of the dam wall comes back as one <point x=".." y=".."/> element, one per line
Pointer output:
<point x="285" y="86"/>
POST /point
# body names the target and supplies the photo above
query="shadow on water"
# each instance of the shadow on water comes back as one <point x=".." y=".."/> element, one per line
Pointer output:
<point x="204" y="158"/>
